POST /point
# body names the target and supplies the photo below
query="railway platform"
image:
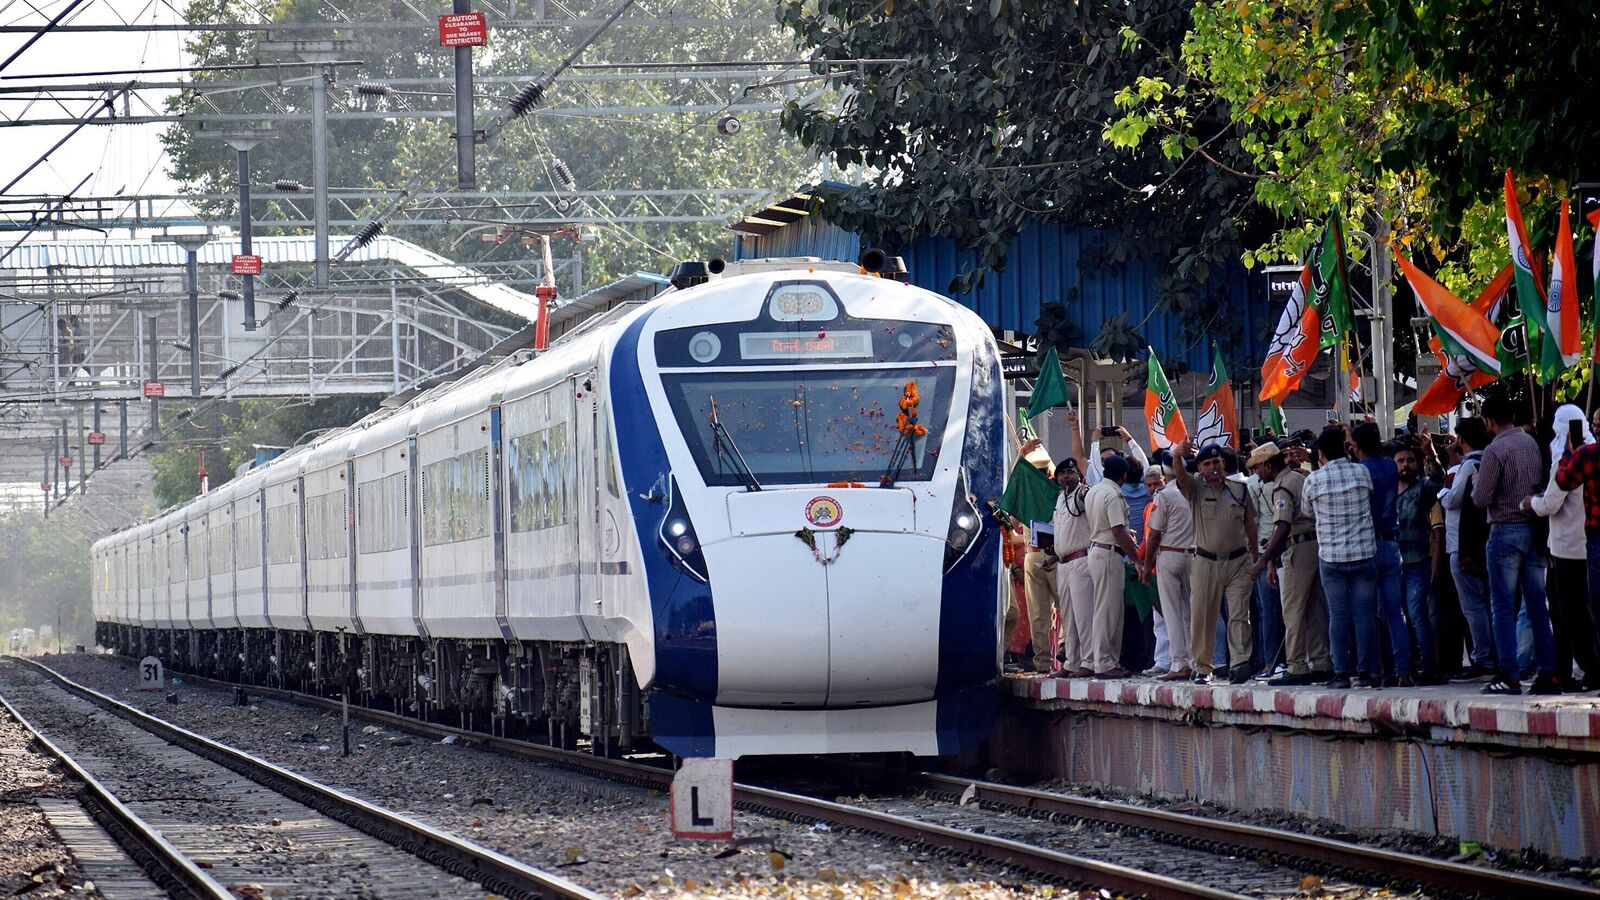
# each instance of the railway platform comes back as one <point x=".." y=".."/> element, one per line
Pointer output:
<point x="1506" y="772"/>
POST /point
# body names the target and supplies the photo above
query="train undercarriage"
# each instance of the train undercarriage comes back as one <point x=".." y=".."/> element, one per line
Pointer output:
<point x="565" y="692"/>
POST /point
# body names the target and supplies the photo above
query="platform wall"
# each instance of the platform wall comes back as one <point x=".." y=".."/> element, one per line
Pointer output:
<point x="1503" y="797"/>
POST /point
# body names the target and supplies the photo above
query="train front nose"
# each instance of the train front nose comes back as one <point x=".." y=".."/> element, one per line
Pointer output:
<point x="832" y="598"/>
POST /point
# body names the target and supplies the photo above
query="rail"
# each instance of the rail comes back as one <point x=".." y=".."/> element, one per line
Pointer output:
<point x="1331" y="855"/>
<point x="166" y="864"/>
<point x="495" y="871"/>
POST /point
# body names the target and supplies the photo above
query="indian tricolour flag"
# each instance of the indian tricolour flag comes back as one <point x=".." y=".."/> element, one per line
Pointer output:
<point x="1563" y="346"/>
<point x="1530" y="299"/>
<point x="1161" y="407"/>
<point x="1462" y="330"/>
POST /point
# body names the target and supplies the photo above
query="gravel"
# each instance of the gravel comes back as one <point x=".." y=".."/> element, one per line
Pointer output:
<point x="252" y="840"/>
<point x="34" y="859"/>
<point x="1436" y="846"/>
<point x="609" y="837"/>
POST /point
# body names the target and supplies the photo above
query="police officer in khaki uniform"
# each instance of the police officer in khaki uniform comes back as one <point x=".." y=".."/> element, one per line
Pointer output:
<point x="1109" y="541"/>
<point x="1293" y="549"/>
<point x="1224" y="551"/>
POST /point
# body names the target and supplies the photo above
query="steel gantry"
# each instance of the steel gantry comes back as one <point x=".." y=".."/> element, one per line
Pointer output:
<point x="98" y="320"/>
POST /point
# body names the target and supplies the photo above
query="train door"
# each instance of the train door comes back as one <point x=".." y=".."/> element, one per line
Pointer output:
<point x="586" y="499"/>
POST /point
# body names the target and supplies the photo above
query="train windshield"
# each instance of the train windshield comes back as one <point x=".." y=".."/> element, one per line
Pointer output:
<point x="810" y="427"/>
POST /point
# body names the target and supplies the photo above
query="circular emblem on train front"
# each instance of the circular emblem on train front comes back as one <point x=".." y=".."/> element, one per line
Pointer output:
<point x="824" y="512"/>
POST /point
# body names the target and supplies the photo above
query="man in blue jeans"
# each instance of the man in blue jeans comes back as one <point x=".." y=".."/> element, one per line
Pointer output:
<point x="1417" y="496"/>
<point x="1465" y="539"/>
<point x="1512" y="468"/>
<point x="1339" y="495"/>
<point x="1386" y="531"/>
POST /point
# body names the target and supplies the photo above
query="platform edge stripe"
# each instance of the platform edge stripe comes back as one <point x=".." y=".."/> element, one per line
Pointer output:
<point x="548" y="881"/>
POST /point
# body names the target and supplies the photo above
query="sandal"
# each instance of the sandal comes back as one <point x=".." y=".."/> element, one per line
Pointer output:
<point x="1502" y="686"/>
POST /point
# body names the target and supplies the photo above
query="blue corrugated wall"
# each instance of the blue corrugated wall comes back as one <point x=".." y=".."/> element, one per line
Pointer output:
<point x="1043" y="266"/>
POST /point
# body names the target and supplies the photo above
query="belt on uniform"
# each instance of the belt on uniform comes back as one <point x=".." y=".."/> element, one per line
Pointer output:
<point x="1186" y="551"/>
<point x="1302" y="538"/>
<point x="1110" y="547"/>
<point x="1076" y="554"/>
<point x="1219" y="557"/>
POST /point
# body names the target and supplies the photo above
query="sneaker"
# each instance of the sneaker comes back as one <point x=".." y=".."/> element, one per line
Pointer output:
<point x="1202" y="678"/>
<point x="1289" y="679"/>
<point x="1405" y="681"/>
<point x="1153" y="672"/>
<point x="1338" y="683"/>
<point x="1545" y="684"/>
<point x="1508" y="687"/>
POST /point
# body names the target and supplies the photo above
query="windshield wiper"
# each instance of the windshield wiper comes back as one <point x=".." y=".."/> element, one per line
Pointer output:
<point x="727" y="448"/>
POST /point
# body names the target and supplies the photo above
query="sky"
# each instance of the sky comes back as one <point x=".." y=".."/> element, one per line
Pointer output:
<point x="124" y="158"/>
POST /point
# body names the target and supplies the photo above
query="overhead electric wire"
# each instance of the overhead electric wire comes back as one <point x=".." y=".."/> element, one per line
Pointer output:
<point x="40" y="33"/>
<point x="218" y="67"/>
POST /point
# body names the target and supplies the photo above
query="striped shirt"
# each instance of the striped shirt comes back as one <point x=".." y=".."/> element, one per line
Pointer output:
<point x="1512" y="468"/>
<point x="1339" y="496"/>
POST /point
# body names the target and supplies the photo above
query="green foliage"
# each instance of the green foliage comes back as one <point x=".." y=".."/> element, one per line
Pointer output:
<point x="650" y="152"/>
<point x="996" y="122"/>
<point x="1383" y="108"/>
<point x="230" y="432"/>
<point x="44" y="573"/>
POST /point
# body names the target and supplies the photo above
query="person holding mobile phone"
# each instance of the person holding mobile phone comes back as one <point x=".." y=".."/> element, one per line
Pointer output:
<point x="1566" y="574"/>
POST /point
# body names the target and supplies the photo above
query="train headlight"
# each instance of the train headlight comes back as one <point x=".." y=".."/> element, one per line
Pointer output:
<point x="966" y="526"/>
<point x="677" y="537"/>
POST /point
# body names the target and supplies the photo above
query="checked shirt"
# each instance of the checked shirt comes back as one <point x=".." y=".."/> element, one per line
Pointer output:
<point x="1340" y="496"/>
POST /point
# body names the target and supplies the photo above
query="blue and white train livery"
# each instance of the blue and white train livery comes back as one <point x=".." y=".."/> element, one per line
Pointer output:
<point x="747" y="517"/>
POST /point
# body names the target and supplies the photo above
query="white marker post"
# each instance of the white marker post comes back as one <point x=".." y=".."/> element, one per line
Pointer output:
<point x="702" y="800"/>
<point x="151" y="678"/>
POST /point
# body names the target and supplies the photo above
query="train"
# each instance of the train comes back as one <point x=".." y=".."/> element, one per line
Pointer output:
<point x="749" y="516"/>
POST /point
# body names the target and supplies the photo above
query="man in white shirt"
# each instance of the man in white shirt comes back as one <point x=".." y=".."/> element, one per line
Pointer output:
<point x="1108" y="537"/>
<point x="1168" y="551"/>
<point x="1074" y="588"/>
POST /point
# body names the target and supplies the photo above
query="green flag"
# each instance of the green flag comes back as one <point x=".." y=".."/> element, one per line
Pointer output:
<point x="1275" y="423"/>
<point x="1050" y="389"/>
<point x="1512" y="348"/>
<point x="1030" y="494"/>
<point x="1330" y="283"/>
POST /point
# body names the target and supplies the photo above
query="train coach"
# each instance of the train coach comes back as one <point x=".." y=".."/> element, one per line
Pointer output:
<point x="749" y="516"/>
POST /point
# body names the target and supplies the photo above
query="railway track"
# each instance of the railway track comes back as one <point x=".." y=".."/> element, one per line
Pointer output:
<point x="946" y="813"/>
<point x="211" y="821"/>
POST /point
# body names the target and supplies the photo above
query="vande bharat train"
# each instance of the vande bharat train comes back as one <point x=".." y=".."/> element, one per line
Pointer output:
<point x="748" y="516"/>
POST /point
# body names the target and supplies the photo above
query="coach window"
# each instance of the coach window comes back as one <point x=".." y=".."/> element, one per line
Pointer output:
<point x="540" y="466"/>
<point x="455" y="498"/>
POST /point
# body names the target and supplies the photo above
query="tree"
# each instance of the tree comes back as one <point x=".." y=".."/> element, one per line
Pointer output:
<point x="599" y="152"/>
<point x="229" y="434"/>
<point x="996" y="120"/>
<point x="44" y="576"/>
<point x="1384" y="110"/>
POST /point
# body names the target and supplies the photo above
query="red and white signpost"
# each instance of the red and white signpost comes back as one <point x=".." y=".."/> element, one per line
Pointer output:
<point x="245" y="264"/>
<point x="96" y="437"/>
<point x="155" y="389"/>
<point x="463" y="30"/>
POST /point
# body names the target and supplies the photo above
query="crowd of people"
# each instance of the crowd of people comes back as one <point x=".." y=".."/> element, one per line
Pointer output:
<point x="1337" y="559"/>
